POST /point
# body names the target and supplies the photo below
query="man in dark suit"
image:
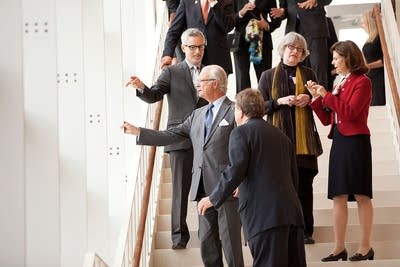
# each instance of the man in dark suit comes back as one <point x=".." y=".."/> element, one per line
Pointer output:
<point x="218" y="21"/>
<point x="178" y="83"/>
<point x="245" y="11"/>
<point x="263" y="165"/>
<point x="308" y="17"/>
<point x="208" y="128"/>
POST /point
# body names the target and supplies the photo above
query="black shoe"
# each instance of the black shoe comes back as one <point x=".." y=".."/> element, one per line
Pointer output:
<point x="179" y="246"/>
<point x="342" y="255"/>
<point x="359" y="257"/>
<point x="308" y="240"/>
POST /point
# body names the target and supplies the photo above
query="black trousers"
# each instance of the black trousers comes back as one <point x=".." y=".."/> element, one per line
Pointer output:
<point x="306" y="178"/>
<point x="281" y="246"/>
<point x="181" y="162"/>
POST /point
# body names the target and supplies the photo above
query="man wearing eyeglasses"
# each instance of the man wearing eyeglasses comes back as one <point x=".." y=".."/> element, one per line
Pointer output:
<point x="208" y="128"/>
<point x="178" y="83"/>
<point x="215" y="18"/>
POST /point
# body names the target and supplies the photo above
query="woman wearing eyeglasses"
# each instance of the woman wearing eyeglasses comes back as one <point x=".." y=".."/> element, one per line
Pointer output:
<point x="350" y="164"/>
<point x="286" y="106"/>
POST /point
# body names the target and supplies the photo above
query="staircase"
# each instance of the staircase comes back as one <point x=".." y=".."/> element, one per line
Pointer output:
<point x="386" y="229"/>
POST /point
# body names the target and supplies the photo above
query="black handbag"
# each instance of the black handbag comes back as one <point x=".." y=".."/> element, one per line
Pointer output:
<point x="233" y="40"/>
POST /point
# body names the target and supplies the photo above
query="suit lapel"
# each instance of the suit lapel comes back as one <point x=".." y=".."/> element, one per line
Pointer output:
<point x="225" y="106"/>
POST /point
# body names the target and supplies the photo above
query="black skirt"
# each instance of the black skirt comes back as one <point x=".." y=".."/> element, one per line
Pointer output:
<point x="350" y="166"/>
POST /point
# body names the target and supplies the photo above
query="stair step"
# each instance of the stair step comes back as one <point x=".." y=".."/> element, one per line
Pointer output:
<point x="322" y="234"/>
<point x="322" y="217"/>
<point x="388" y="179"/>
<point x="385" y="251"/>
<point x="379" y="182"/>
<point x="381" y="199"/>
<point x="374" y="263"/>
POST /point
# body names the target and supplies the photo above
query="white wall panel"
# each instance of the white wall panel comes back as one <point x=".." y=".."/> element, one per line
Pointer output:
<point x="72" y="152"/>
<point x="41" y="134"/>
<point x="114" y="90"/>
<point x="96" y="131"/>
<point x="12" y="188"/>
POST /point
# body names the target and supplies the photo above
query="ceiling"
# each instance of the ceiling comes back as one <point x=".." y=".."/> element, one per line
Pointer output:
<point x="346" y="16"/>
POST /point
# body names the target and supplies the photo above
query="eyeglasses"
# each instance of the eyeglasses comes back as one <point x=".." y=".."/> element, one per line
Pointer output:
<point x="298" y="49"/>
<point x="195" y="47"/>
<point x="206" y="80"/>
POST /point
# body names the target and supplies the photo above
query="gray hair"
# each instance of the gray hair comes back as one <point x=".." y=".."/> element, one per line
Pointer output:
<point x="218" y="73"/>
<point x="192" y="32"/>
<point x="293" y="38"/>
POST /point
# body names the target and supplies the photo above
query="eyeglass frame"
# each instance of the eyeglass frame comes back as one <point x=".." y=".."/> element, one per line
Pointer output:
<point x="195" y="47"/>
<point x="293" y="47"/>
<point x="206" y="80"/>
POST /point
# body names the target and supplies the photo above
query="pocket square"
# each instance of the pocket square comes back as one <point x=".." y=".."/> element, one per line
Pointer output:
<point x="223" y="123"/>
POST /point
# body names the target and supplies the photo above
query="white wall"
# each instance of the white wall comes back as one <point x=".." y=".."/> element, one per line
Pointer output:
<point x="65" y="166"/>
<point x="12" y="181"/>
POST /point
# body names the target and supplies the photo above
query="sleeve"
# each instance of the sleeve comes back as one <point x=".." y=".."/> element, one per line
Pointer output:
<point x="170" y="136"/>
<point x="351" y="107"/>
<point x="322" y="114"/>
<point x="175" y="30"/>
<point x="264" y="85"/>
<point x="158" y="90"/>
<point x="224" y="15"/>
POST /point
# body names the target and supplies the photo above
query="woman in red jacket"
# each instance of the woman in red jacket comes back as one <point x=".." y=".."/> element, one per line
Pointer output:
<point x="350" y="165"/>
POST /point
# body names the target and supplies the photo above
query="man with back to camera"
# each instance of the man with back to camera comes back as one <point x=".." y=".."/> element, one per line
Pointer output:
<point x="178" y="83"/>
<point x="208" y="128"/>
<point x="263" y="165"/>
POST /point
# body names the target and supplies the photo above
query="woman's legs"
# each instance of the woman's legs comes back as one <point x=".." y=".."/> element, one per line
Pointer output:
<point x="340" y="214"/>
<point x="365" y="216"/>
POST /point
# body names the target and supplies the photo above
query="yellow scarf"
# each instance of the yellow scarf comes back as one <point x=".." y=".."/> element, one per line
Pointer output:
<point x="303" y="123"/>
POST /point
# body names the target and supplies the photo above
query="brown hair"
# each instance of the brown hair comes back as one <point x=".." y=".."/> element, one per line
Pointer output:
<point x="251" y="103"/>
<point x="354" y="58"/>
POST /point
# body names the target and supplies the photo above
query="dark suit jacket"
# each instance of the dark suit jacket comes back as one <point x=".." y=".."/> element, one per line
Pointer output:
<point x="351" y="106"/>
<point x="210" y="156"/>
<point x="263" y="165"/>
<point x="220" y="22"/>
<point x="313" y="20"/>
<point x="262" y="7"/>
<point x="176" y="82"/>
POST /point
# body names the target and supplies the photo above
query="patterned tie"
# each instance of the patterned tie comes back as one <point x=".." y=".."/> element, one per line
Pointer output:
<point x="209" y="120"/>
<point x="195" y="75"/>
<point x="204" y="9"/>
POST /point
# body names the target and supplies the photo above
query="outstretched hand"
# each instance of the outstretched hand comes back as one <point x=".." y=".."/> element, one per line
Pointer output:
<point x="315" y="89"/>
<point x="130" y="129"/>
<point x="135" y="82"/>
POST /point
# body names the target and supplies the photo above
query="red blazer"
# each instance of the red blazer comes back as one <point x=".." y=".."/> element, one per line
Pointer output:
<point x="351" y="105"/>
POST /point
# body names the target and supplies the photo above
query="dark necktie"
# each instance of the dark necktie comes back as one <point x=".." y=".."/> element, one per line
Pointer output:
<point x="209" y="120"/>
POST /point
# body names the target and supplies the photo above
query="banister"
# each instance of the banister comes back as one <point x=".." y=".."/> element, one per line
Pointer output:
<point x="387" y="61"/>
<point x="146" y="191"/>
